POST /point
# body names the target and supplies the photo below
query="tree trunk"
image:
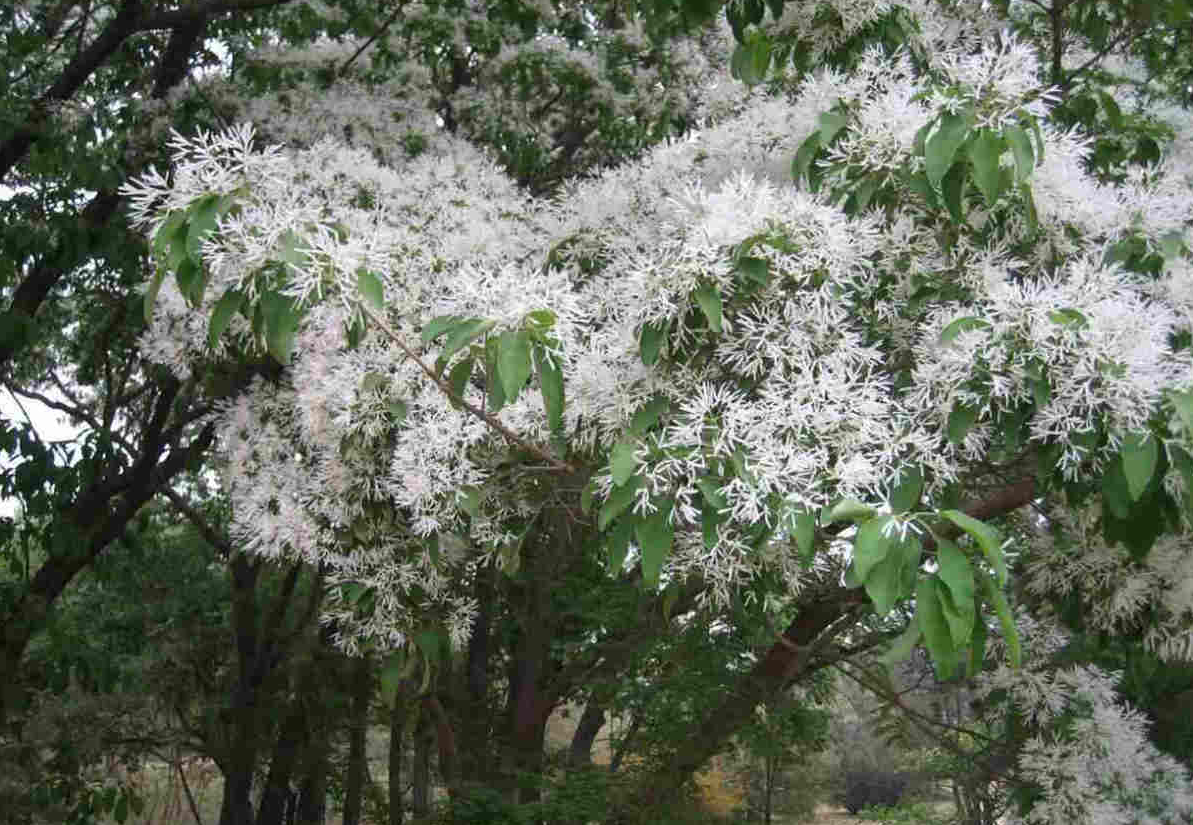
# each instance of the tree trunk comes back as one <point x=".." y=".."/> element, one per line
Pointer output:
<point x="420" y="803"/>
<point x="591" y="722"/>
<point x="312" y="794"/>
<point x="240" y="720"/>
<point x="277" y="796"/>
<point x="475" y="764"/>
<point x="354" y="783"/>
<point x="785" y="662"/>
<point x="397" y="748"/>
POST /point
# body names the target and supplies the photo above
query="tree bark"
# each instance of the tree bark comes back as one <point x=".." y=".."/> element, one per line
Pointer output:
<point x="397" y="749"/>
<point x="784" y="663"/>
<point x="591" y="722"/>
<point x="420" y="803"/>
<point x="277" y="796"/>
<point x="354" y="783"/>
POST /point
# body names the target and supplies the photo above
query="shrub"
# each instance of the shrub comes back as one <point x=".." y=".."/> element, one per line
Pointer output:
<point x="870" y="787"/>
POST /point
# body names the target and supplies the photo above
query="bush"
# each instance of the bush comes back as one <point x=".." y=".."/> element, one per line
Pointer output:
<point x="919" y="813"/>
<point x="871" y="787"/>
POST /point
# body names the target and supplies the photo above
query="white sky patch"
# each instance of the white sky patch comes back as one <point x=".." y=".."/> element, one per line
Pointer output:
<point x="50" y="425"/>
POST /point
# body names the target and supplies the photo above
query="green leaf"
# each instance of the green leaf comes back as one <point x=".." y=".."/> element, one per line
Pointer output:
<point x="929" y="615"/>
<point x="281" y="325"/>
<point x="370" y="288"/>
<point x="1068" y="317"/>
<point x="977" y="648"/>
<point x="1025" y="156"/>
<point x="457" y="379"/>
<point x="960" y="325"/>
<point x="961" y="421"/>
<point x="551" y="386"/>
<point x="1116" y="495"/>
<point x="204" y="215"/>
<point x="541" y="319"/>
<point x="831" y="124"/>
<point x="709" y="298"/>
<point x="648" y="415"/>
<point x="987" y="537"/>
<point x="438" y="326"/>
<point x="191" y="281"/>
<point x="618" y="502"/>
<point x="655" y="534"/>
<point x="906" y="494"/>
<point x="957" y="575"/>
<point x="901" y="648"/>
<point x="953" y="190"/>
<point x="120" y="810"/>
<point x="461" y="336"/>
<point x="513" y="362"/>
<point x="1172" y="245"/>
<point x="496" y="396"/>
<point x="805" y="532"/>
<point x="941" y="148"/>
<point x="851" y="578"/>
<point x="984" y="152"/>
<point x="804" y="156"/>
<point x="617" y="543"/>
<point x="883" y="582"/>
<point x="155" y="287"/>
<point x="622" y="462"/>
<point x="1002" y="608"/>
<point x="172" y="228"/>
<point x="227" y="306"/>
<point x="1182" y="402"/>
<point x="586" y="494"/>
<point x="756" y="269"/>
<point x="468" y="499"/>
<point x="874" y="540"/>
<point x="849" y="509"/>
<point x="1141" y="455"/>
<point x="290" y="250"/>
<point x="651" y="341"/>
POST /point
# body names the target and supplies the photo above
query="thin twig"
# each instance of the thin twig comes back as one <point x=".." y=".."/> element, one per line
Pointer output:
<point x="557" y="464"/>
<point x="389" y="21"/>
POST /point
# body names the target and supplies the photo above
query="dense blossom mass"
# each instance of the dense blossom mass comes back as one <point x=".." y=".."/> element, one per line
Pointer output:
<point x="732" y="343"/>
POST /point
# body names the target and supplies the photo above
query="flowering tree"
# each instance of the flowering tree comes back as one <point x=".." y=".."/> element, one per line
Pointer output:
<point x="847" y="323"/>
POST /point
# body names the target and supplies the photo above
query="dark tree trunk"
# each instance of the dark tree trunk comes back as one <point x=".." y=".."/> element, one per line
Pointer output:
<point x="239" y="759"/>
<point x="591" y="722"/>
<point x="474" y="715"/>
<point x="312" y="793"/>
<point x="420" y="802"/>
<point x="397" y="749"/>
<point x="277" y="796"/>
<point x="354" y="783"/>
<point x="785" y="662"/>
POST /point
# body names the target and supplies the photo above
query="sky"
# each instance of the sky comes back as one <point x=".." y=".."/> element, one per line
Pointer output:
<point x="51" y="425"/>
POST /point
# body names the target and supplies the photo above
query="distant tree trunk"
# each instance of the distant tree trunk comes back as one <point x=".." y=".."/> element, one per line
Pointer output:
<point x="239" y="721"/>
<point x="277" y="796"/>
<point x="475" y="724"/>
<point x="354" y="782"/>
<point x="591" y="722"/>
<point x="312" y="794"/>
<point x="785" y="662"/>
<point x="768" y="792"/>
<point x="397" y="748"/>
<point x="420" y="802"/>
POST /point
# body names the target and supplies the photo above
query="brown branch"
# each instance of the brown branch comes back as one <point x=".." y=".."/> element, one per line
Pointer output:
<point x="557" y="464"/>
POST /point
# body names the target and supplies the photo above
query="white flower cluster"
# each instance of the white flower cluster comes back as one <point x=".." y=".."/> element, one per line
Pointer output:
<point x="1152" y="596"/>
<point x="825" y="379"/>
<point x="1091" y="757"/>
